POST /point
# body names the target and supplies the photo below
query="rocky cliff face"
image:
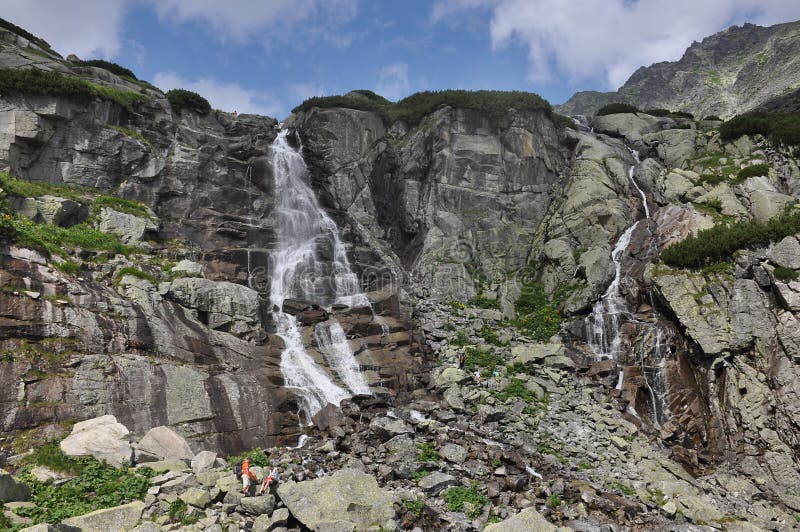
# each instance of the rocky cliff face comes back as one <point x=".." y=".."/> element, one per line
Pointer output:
<point x="726" y="74"/>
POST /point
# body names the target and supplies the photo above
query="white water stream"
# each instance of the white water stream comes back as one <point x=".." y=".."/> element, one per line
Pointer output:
<point x="310" y="263"/>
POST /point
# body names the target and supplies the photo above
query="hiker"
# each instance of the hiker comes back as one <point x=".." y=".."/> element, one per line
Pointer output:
<point x="247" y="477"/>
<point x="269" y="479"/>
<point x="478" y="377"/>
<point x="235" y="114"/>
<point x="462" y="356"/>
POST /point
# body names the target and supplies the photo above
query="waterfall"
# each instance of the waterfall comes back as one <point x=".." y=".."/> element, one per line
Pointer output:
<point x="602" y="326"/>
<point x="631" y="170"/>
<point x="310" y="263"/>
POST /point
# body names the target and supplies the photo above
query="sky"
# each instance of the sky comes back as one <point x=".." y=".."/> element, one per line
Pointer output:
<point x="267" y="56"/>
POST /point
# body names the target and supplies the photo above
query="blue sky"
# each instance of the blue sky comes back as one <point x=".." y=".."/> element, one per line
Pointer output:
<point x="267" y="56"/>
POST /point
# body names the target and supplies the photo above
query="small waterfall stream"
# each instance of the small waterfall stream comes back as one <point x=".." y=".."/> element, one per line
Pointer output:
<point x="310" y="263"/>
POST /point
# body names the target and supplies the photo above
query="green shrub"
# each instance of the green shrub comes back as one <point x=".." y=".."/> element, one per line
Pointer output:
<point x="554" y="501"/>
<point x="516" y="388"/>
<point x="417" y="106"/>
<point x="658" y="112"/>
<point x="681" y="126"/>
<point x="53" y="83"/>
<point x="753" y="171"/>
<point x="419" y="475"/>
<point x="181" y="99"/>
<point x="783" y="128"/>
<point x="564" y="122"/>
<point x="111" y="67"/>
<point x="484" y="302"/>
<point x="537" y="314"/>
<point x="718" y="243"/>
<point x="785" y="274"/>
<point x="712" y="179"/>
<point x="481" y="358"/>
<point x="681" y="114"/>
<point x="24" y="33"/>
<point x="96" y="485"/>
<point x="427" y="453"/>
<point x="460" y="339"/>
<point x="415" y="507"/>
<point x="457" y="496"/>
<point x="714" y="118"/>
<point x="257" y="458"/>
<point x="32" y="189"/>
<point x="616" y="108"/>
<point x="490" y="336"/>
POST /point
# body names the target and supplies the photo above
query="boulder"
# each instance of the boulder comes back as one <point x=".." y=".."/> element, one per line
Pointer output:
<point x="785" y="253"/>
<point x="221" y="305"/>
<point x="163" y="443"/>
<point x="453" y="453"/>
<point x="536" y="353"/>
<point x="387" y="428"/>
<point x="348" y="498"/>
<point x="102" y="437"/>
<point x="528" y="519"/>
<point x="187" y="266"/>
<point x="450" y="376"/>
<point x="329" y="416"/>
<point x="51" y="210"/>
<point x="11" y="489"/>
<point x="130" y="229"/>
<point x="632" y="126"/>
<point x="111" y="519"/>
<point x="265" y="523"/>
<point x="196" y="497"/>
<point x="436" y="482"/>
<point x="203" y="461"/>
<point x="258" y="505"/>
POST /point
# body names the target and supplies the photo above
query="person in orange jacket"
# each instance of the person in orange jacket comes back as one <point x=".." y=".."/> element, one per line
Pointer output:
<point x="247" y="476"/>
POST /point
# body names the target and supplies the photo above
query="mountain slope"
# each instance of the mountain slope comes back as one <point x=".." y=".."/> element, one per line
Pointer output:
<point x="727" y="73"/>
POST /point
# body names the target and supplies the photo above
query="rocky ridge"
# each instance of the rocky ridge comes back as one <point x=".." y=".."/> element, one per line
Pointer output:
<point x="725" y="74"/>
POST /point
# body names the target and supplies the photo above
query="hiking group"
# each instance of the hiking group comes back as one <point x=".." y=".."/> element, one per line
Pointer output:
<point x="243" y="470"/>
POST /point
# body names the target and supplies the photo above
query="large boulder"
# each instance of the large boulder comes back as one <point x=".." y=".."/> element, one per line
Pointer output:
<point x="102" y="437"/>
<point x="528" y="519"/>
<point x="111" y="519"/>
<point x="163" y="443"/>
<point x="129" y="228"/>
<point x="632" y="126"/>
<point x="348" y="498"/>
<point x="387" y="428"/>
<point x="11" y="490"/>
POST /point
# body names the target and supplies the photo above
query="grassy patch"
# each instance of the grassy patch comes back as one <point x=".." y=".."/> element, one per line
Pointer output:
<point x="457" y="496"/>
<point x="68" y="267"/>
<point x="54" y="239"/>
<point x="56" y="84"/>
<point x="460" y="339"/>
<point x="619" y="486"/>
<point x="427" y="453"/>
<point x="419" y="475"/>
<point x="33" y="189"/>
<point x="121" y="205"/>
<point x="516" y="388"/>
<point x="484" y="302"/>
<point x="417" y="106"/>
<point x="96" y="485"/>
<point x="718" y="243"/>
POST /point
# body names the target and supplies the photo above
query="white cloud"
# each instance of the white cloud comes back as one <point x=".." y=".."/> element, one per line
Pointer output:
<point x="394" y="81"/>
<point x="86" y="28"/>
<point x="224" y="96"/>
<point x="242" y="20"/>
<point x="585" y="39"/>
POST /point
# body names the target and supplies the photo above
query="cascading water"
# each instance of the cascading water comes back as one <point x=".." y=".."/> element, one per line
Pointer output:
<point x="310" y="263"/>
